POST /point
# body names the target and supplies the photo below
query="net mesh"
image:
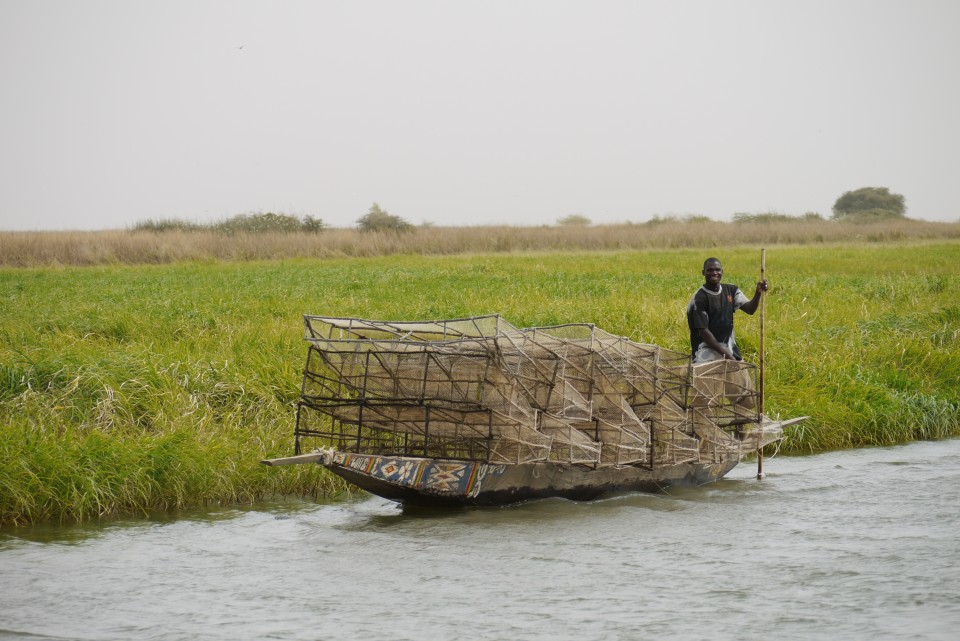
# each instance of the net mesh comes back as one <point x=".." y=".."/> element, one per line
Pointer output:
<point x="482" y="389"/>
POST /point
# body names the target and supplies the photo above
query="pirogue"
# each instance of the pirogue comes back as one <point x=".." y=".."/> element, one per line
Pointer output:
<point x="476" y="411"/>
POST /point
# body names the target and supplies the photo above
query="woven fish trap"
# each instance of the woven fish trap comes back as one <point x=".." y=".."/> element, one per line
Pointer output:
<point x="724" y="382"/>
<point x="482" y="389"/>
<point x="570" y="444"/>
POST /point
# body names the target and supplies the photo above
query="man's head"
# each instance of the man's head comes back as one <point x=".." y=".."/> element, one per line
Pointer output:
<point x="712" y="272"/>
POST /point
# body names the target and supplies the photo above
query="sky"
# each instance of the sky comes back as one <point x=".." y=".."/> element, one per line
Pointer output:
<point x="472" y="113"/>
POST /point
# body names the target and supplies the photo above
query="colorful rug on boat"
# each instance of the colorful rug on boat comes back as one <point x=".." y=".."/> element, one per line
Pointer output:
<point x="442" y="477"/>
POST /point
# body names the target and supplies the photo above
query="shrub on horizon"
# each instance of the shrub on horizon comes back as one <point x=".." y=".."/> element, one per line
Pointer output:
<point x="660" y="220"/>
<point x="670" y="218"/>
<point x="242" y="223"/>
<point x="379" y="220"/>
<point x="574" y="220"/>
<point x="869" y="203"/>
<point x="313" y="225"/>
<point x="268" y="222"/>
<point x="774" y="217"/>
<point x="169" y="224"/>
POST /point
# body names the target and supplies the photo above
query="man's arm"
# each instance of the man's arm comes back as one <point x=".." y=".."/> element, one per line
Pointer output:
<point x="751" y="306"/>
<point x="715" y="345"/>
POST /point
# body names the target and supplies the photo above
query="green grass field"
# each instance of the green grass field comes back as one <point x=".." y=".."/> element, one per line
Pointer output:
<point x="134" y="388"/>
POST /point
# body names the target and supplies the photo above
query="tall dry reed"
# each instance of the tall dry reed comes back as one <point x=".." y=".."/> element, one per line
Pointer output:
<point x="34" y="249"/>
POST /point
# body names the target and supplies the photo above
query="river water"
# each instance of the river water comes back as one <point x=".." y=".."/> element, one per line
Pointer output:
<point x="862" y="544"/>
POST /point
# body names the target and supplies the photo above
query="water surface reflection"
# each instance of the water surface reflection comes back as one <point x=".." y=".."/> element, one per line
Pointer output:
<point x="852" y="545"/>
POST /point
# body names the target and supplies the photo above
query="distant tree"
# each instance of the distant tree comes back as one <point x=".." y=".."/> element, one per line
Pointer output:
<point x="766" y="217"/>
<point x="168" y="224"/>
<point x="574" y="220"/>
<point x="313" y="225"/>
<point x="378" y="220"/>
<point x="774" y="217"/>
<point x="660" y="220"/>
<point x="869" y="203"/>
<point x="259" y="223"/>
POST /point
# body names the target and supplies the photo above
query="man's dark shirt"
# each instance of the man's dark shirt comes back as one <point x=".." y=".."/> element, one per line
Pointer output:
<point x="714" y="311"/>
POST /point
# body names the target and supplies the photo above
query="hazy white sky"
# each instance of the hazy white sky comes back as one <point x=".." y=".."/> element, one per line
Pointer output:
<point x="472" y="113"/>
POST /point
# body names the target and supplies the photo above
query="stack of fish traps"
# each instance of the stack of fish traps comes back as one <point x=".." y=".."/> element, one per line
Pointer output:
<point x="481" y="389"/>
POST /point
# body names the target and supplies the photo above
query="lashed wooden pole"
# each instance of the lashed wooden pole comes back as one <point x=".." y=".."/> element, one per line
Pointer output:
<point x="763" y="296"/>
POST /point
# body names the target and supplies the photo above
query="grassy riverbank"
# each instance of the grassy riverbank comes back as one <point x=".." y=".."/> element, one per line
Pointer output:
<point x="143" y="387"/>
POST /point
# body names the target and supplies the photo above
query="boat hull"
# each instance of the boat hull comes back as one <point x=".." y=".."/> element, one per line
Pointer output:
<point x="438" y="482"/>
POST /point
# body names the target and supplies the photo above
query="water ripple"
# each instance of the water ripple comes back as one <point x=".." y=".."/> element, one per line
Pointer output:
<point x="852" y="545"/>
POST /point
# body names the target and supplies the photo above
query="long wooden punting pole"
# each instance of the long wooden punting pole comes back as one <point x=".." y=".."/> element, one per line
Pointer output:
<point x="763" y="296"/>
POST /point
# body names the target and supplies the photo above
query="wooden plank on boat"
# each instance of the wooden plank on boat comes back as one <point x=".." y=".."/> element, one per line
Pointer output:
<point x="792" y="421"/>
<point x="312" y="457"/>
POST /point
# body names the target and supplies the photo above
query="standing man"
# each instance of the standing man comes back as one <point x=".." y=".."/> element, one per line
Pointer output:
<point x="710" y="315"/>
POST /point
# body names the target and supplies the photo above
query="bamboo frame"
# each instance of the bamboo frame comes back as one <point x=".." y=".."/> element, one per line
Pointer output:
<point x="482" y="389"/>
